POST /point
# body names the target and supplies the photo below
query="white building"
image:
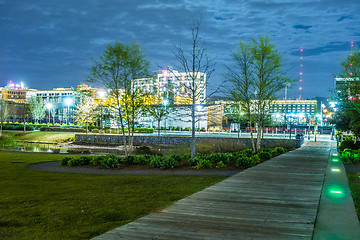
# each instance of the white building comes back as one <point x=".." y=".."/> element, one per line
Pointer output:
<point x="175" y="85"/>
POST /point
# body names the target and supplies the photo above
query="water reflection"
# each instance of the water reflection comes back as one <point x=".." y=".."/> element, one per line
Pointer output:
<point x="54" y="148"/>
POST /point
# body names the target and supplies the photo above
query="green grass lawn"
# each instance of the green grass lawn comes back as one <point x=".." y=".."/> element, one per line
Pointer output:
<point x="50" y="137"/>
<point x="45" y="205"/>
<point x="354" y="183"/>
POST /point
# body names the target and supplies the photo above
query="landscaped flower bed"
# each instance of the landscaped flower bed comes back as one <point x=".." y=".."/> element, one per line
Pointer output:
<point x="243" y="159"/>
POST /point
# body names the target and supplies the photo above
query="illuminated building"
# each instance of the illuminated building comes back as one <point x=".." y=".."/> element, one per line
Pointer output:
<point x="14" y="92"/>
<point x="64" y="100"/>
<point x="175" y="86"/>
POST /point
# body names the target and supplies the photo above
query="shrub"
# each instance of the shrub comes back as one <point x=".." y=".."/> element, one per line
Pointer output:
<point x="109" y="161"/>
<point x="129" y="159"/>
<point x="142" y="159"/>
<point x="193" y="161"/>
<point x="155" y="161"/>
<point x="186" y="157"/>
<point x="64" y="161"/>
<point x="203" y="163"/>
<point x="244" y="161"/>
<point x="278" y="151"/>
<point x="265" y="155"/>
<point x="96" y="161"/>
<point x="168" y="162"/>
<point x="220" y="165"/>
<point x="217" y="157"/>
<point x="347" y="143"/>
<point x="175" y="157"/>
<point x="82" y="161"/>
<point x="248" y="152"/>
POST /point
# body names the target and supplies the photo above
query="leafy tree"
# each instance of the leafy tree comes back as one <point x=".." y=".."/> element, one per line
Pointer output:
<point x="3" y="114"/>
<point x="347" y="118"/>
<point x="193" y="63"/>
<point x="234" y="114"/>
<point x="241" y="78"/>
<point x="256" y="80"/>
<point x="37" y="108"/>
<point x="86" y="111"/>
<point x="116" y="70"/>
<point x="53" y="111"/>
<point x="158" y="110"/>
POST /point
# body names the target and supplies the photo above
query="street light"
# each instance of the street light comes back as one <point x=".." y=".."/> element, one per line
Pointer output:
<point x="68" y="102"/>
<point x="49" y="106"/>
<point x="101" y="95"/>
<point x="165" y="103"/>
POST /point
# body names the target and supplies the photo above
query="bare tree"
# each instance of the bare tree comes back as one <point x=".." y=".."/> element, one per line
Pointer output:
<point x="198" y="68"/>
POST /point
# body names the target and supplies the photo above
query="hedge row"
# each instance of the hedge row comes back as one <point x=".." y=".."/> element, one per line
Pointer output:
<point x="60" y="129"/>
<point x="137" y="130"/>
<point x="18" y="127"/>
<point x="246" y="158"/>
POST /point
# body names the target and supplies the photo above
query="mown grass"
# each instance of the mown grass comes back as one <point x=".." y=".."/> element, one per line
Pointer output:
<point x="45" y="205"/>
<point x="354" y="183"/>
<point x="49" y="137"/>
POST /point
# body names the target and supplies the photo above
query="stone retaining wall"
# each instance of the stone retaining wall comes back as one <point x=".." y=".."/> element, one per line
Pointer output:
<point x="148" y="140"/>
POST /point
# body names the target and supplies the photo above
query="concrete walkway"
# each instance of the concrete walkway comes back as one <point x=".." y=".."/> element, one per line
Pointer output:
<point x="278" y="199"/>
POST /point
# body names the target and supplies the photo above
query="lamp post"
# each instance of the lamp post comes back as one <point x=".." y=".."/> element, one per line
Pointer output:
<point x="49" y="106"/>
<point x="101" y="95"/>
<point x="68" y="102"/>
<point x="165" y="103"/>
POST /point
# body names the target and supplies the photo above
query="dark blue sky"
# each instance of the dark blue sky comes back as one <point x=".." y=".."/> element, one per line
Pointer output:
<point x="48" y="43"/>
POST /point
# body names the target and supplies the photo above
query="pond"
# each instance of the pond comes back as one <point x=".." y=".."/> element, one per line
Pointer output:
<point x="56" y="148"/>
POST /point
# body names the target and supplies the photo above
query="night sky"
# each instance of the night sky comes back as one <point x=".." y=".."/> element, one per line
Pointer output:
<point x="48" y="43"/>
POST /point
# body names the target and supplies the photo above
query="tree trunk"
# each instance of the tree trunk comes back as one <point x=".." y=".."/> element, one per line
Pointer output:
<point x="258" y="139"/>
<point x="1" y="127"/>
<point x="252" y="139"/>
<point x="193" y="128"/>
<point x="87" y="128"/>
<point x="238" y="129"/>
<point x="159" y="127"/>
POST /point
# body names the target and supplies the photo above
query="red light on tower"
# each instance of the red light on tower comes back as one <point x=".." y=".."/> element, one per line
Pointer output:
<point x="300" y="80"/>
<point x="300" y="73"/>
<point x="301" y="50"/>
<point x="300" y="57"/>
<point x="301" y="65"/>
<point x="300" y="88"/>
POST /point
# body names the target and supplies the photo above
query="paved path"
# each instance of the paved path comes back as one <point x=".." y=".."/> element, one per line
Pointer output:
<point x="278" y="199"/>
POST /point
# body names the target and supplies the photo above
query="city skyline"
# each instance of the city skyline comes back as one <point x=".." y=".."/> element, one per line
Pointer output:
<point x="48" y="45"/>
